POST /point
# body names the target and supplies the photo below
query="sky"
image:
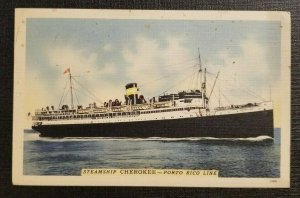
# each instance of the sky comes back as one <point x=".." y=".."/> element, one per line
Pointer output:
<point x="160" y="55"/>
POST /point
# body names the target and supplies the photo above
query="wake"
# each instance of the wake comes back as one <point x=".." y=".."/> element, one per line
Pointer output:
<point x="34" y="136"/>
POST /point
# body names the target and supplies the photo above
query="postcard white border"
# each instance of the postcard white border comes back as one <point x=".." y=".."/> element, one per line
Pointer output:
<point x="19" y="86"/>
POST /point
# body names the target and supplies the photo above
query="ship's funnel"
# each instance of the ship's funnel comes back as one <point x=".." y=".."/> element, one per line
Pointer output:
<point x="131" y="93"/>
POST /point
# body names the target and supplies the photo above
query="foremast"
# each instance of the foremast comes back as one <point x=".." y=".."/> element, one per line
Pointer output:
<point x="71" y="89"/>
<point x="68" y="71"/>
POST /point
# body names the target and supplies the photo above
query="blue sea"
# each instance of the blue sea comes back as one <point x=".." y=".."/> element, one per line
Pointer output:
<point x="241" y="157"/>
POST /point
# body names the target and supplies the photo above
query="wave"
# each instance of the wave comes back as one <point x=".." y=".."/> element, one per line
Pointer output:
<point x="36" y="137"/>
<point x="251" y="139"/>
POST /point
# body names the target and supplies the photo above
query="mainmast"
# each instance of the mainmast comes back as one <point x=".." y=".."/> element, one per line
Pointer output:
<point x="200" y="66"/>
<point x="204" y="89"/>
<point x="203" y="84"/>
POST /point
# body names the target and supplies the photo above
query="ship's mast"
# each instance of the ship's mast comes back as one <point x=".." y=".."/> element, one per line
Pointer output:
<point x="200" y="66"/>
<point x="204" y="89"/>
<point x="203" y="84"/>
<point x="71" y="89"/>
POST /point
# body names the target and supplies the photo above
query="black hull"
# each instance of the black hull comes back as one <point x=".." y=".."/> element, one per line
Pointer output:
<point x="240" y="125"/>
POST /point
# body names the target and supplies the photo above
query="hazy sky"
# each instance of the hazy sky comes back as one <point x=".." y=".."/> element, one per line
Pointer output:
<point x="157" y="54"/>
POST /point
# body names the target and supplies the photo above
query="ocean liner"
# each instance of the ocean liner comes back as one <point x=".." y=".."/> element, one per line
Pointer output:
<point x="174" y="115"/>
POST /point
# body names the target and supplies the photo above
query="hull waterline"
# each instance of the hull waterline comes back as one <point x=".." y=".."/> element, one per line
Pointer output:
<point x="241" y="125"/>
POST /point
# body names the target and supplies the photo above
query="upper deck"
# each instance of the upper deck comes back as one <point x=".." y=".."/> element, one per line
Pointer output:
<point x="173" y="109"/>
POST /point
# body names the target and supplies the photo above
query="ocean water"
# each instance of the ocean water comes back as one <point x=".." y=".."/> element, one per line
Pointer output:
<point x="250" y="157"/>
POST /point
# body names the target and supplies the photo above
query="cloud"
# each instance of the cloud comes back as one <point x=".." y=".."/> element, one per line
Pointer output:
<point x="109" y="69"/>
<point x="37" y="95"/>
<point x="246" y="73"/>
<point x="79" y="60"/>
<point x="243" y="76"/>
<point x="107" y="47"/>
<point x="155" y="66"/>
<point x="143" y="62"/>
<point x="90" y="75"/>
<point x="149" y="62"/>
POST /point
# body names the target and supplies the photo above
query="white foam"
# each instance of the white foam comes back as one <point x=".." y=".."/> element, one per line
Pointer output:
<point x="35" y="136"/>
<point x="256" y="139"/>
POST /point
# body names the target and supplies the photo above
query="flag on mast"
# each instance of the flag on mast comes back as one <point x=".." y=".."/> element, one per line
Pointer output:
<point x="67" y="70"/>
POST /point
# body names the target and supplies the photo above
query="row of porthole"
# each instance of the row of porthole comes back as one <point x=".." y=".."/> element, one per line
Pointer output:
<point x="86" y="116"/>
<point x="81" y="118"/>
<point x="145" y="119"/>
<point x="120" y="120"/>
<point x="102" y="118"/>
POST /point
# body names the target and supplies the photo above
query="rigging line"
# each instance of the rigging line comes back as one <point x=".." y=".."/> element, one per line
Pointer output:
<point x="76" y="95"/>
<point x="95" y="98"/>
<point x="263" y="99"/>
<point x="210" y="73"/>
<point x="195" y="79"/>
<point x="93" y="95"/>
<point x="171" y="74"/>
<point x="188" y="60"/>
<point x="65" y="96"/>
<point x="190" y="84"/>
<point x="212" y="89"/>
<point x="192" y="80"/>
<point x="252" y="94"/>
<point x="242" y="90"/>
<point x="248" y="91"/>
<point x="164" y="77"/>
<point x="219" y="78"/>
<point x="221" y="93"/>
<point x="208" y="82"/>
<point x="214" y="94"/>
<point x="198" y="79"/>
<point x="177" y="69"/>
<point x="227" y="100"/>
<point x="174" y="85"/>
<point x="89" y="96"/>
<point x="61" y="99"/>
<point x="230" y="102"/>
<point x="245" y="90"/>
<point x="196" y="76"/>
<point x="182" y="67"/>
<point x="160" y="78"/>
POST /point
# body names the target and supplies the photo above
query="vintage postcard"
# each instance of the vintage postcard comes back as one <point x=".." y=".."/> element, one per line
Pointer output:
<point x="151" y="98"/>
